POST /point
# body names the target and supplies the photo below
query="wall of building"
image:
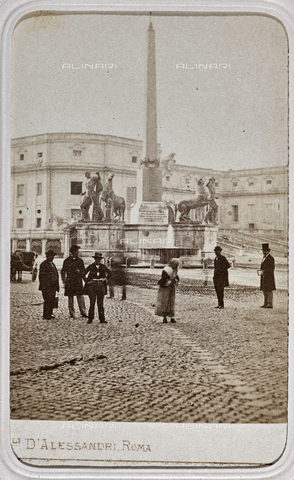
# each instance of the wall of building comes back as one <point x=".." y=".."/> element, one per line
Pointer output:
<point x="259" y="195"/>
<point x="46" y="165"/>
<point x="253" y="199"/>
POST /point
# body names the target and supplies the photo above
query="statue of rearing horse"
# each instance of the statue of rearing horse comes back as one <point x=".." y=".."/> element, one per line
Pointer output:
<point x="201" y="200"/>
<point x="118" y="204"/>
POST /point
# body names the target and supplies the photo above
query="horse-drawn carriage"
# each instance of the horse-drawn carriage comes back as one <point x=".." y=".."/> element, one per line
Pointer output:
<point x="23" y="262"/>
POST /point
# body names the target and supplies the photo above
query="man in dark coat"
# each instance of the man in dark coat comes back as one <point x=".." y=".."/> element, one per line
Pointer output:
<point x="49" y="284"/>
<point x="267" y="278"/>
<point x="72" y="274"/>
<point x="96" y="287"/>
<point x="220" y="277"/>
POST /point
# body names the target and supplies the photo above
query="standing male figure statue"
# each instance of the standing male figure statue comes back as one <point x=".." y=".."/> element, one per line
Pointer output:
<point x="91" y="197"/>
<point x="98" y="215"/>
<point x="211" y="214"/>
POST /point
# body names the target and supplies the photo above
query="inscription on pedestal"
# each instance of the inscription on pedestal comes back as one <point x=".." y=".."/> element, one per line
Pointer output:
<point x="153" y="213"/>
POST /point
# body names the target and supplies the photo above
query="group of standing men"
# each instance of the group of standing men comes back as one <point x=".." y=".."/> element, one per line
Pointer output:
<point x="73" y="274"/>
<point x="96" y="275"/>
<point x="266" y="272"/>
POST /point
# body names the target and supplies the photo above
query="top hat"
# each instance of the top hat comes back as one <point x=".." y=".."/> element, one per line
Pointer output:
<point x="217" y="248"/>
<point x="74" y="248"/>
<point x="265" y="246"/>
<point x="98" y="255"/>
<point x="50" y="252"/>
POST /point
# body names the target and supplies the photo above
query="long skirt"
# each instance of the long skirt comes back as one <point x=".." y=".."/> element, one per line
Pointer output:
<point x="165" y="303"/>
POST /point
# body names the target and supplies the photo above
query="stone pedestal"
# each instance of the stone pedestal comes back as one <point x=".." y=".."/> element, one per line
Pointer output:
<point x="149" y="196"/>
<point x="195" y="241"/>
<point x="145" y="241"/>
<point x="107" y="238"/>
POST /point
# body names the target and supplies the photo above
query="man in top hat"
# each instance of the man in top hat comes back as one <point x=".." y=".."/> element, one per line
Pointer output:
<point x="72" y="274"/>
<point x="220" y="277"/>
<point x="49" y="284"/>
<point x="96" y="287"/>
<point x="267" y="278"/>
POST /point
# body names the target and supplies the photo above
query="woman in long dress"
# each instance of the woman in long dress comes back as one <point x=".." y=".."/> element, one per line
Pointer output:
<point x="165" y="304"/>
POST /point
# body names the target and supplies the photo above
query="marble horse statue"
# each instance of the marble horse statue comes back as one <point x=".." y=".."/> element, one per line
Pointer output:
<point x="113" y="201"/>
<point x="203" y="199"/>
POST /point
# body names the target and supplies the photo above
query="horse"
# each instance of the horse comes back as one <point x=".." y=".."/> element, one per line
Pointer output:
<point x="203" y="199"/>
<point x="118" y="203"/>
<point x="107" y="190"/>
<point x="119" y="206"/>
<point x="185" y="206"/>
<point x="16" y="267"/>
<point x="22" y="261"/>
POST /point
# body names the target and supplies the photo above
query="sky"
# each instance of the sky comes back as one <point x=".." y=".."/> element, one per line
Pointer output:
<point x="221" y="118"/>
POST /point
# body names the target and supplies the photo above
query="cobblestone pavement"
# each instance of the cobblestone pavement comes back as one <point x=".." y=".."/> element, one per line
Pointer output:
<point x="211" y="366"/>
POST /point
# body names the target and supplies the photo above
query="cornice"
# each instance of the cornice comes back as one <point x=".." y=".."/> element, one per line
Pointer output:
<point x="252" y="194"/>
<point x="70" y="168"/>
<point x="72" y="136"/>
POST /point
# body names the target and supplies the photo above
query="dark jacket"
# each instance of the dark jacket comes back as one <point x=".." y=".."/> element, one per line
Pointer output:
<point x="166" y="281"/>
<point x="48" y="277"/>
<point x="221" y="266"/>
<point x="72" y="274"/>
<point x="267" y="280"/>
<point x="118" y="274"/>
<point x="94" y="272"/>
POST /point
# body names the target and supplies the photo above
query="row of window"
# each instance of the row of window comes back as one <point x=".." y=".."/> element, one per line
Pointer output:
<point x="22" y="155"/>
<point x="20" y="222"/>
<point x="268" y="210"/>
<point x="20" y="190"/>
<point x="251" y="183"/>
<point x="76" y="188"/>
<point x="188" y="181"/>
<point x="75" y="152"/>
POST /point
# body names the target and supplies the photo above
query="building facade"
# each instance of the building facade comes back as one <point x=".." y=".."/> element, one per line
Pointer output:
<point x="48" y="171"/>
<point x="252" y="200"/>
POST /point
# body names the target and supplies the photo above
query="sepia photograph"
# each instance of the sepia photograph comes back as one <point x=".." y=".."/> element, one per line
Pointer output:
<point x="149" y="238"/>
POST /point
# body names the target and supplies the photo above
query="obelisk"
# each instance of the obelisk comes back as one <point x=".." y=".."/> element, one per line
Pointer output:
<point x="152" y="175"/>
<point x="149" y="207"/>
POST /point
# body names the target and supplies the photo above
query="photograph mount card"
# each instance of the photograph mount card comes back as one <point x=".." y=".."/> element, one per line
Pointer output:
<point x="150" y="177"/>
